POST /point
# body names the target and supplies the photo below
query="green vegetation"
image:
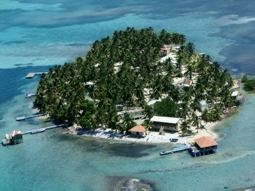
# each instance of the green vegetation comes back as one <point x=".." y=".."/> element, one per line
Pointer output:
<point x="119" y="69"/>
<point x="166" y="107"/>
<point x="249" y="84"/>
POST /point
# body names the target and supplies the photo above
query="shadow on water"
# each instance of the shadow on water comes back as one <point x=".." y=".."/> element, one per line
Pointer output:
<point x="109" y="147"/>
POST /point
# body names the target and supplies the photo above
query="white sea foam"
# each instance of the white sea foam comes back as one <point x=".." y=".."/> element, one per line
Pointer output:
<point x="234" y="20"/>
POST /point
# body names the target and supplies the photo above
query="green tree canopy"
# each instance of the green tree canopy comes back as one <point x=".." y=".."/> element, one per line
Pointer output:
<point x="166" y="107"/>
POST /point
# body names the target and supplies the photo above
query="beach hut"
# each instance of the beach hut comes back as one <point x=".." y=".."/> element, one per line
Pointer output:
<point x="139" y="131"/>
<point x="169" y="124"/>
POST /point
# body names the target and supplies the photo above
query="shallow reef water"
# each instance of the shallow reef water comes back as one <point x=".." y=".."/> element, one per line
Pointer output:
<point x="35" y="36"/>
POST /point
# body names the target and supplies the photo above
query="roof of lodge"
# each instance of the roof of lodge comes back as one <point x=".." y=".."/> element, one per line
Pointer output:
<point x="138" y="128"/>
<point x="205" y="141"/>
<point x="170" y="120"/>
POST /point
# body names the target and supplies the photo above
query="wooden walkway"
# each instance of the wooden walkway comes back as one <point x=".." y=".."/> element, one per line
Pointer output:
<point x="176" y="150"/>
<point x="31" y="75"/>
<point x="24" y="117"/>
<point x="40" y="130"/>
<point x="30" y="95"/>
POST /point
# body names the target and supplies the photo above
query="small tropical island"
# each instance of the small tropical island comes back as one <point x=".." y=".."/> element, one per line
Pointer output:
<point x="139" y="83"/>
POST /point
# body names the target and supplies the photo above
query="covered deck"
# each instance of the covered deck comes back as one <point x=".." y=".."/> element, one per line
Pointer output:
<point x="203" y="146"/>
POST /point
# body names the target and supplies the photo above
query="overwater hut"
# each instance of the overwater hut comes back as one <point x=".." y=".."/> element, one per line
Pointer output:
<point x="161" y="123"/>
<point x="139" y="131"/>
<point x="203" y="146"/>
<point x="13" y="138"/>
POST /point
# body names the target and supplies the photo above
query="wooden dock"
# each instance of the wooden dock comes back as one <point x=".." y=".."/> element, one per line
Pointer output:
<point x="31" y="75"/>
<point x="40" y="130"/>
<point x="176" y="150"/>
<point x="24" y="117"/>
<point x="30" y="95"/>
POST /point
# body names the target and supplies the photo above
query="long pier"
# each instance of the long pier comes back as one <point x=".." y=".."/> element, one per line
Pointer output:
<point x="31" y="75"/>
<point x="40" y="130"/>
<point x="30" y="95"/>
<point x="176" y="150"/>
<point x="23" y="118"/>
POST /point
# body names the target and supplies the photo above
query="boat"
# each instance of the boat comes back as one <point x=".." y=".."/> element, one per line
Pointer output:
<point x="173" y="140"/>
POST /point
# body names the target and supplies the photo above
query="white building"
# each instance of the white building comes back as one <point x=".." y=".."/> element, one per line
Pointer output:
<point x="235" y="94"/>
<point x="203" y="105"/>
<point x="166" y="123"/>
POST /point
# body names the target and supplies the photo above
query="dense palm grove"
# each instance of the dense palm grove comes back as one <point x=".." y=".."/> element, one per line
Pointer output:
<point x="118" y="69"/>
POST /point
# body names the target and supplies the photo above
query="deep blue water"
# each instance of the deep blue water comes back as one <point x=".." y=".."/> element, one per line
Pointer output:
<point x="36" y="35"/>
<point x="52" y="32"/>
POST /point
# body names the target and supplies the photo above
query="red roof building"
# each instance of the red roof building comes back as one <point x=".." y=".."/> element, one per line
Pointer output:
<point x="138" y="130"/>
<point x="205" y="142"/>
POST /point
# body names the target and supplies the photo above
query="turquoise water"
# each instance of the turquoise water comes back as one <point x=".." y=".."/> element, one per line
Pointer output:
<point x="34" y="36"/>
<point x="55" y="160"/>
<point x="53" y="32"/>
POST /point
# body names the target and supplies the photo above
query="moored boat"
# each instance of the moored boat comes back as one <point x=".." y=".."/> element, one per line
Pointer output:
<point x="173" y="140"/>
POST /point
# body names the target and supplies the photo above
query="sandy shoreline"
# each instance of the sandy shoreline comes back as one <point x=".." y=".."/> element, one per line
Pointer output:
<point x="152" y="137"/>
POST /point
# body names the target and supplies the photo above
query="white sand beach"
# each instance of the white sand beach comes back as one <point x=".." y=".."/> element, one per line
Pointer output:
<point x="151" y="137"/>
